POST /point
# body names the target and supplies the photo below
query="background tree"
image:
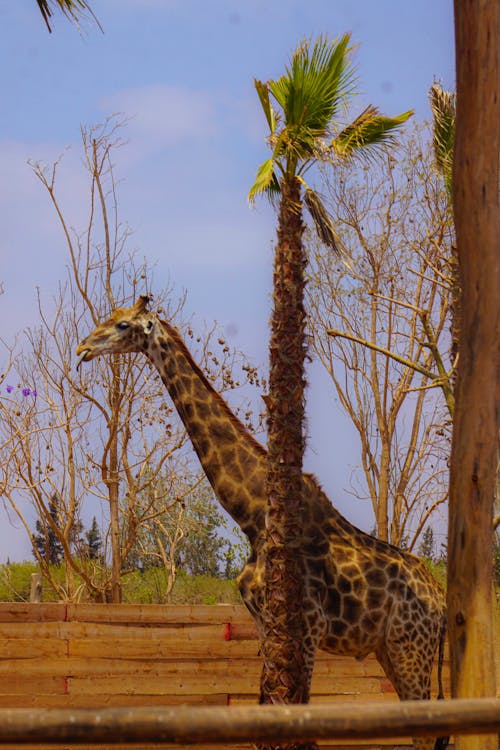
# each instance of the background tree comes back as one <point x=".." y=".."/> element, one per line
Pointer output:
<point x="303" y="129"/>
<point x="41" y="431"/>
<point x="204" y="548"/>
<point x="188" y="533"/>
<point x="165" y="530"/>
<point x="94" y="541"/>
<point x="46" y="540"/>
<point x="427" y="545"/>
<point x="386" y="305"/>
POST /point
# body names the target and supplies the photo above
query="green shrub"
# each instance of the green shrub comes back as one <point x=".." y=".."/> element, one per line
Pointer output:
<point x="204" y="590"/>
<point x="15" y="581"/>
<point x="438" y="570"/>
<point x="138" y="588"/>
<point x="149" y="588"/>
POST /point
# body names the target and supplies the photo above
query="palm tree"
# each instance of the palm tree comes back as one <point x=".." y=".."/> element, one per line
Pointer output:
<point x="72" y="9"/>
<point x="302" y="112"/>
<point x="443" y="106"/>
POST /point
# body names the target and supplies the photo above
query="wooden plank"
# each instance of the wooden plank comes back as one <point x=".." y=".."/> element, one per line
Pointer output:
<point x="34" y="630"/>
<point x="164" y="649"/>
<point x="178" y="682"/>
<point x="243" y="630"/>
<point x="100" y="631"/>
<point x="67" y="700"/>
<point x="167" y="634"/>
<point x="15" y="683"/>
<point x="194" y="631"/>
<point x="74" y="666"/>
<point x="31" y="612"/>
<point x="136" y="613"/>
<point x="29" y="648"/>
<point x="382" y="698"/>
<point x="158" y="613"/>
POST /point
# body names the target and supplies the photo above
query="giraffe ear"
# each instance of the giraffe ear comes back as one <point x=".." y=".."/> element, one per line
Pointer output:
<point x="142" y="303"/>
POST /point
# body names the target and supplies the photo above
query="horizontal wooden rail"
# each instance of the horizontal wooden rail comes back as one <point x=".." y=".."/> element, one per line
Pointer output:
<point x="220" y="725"/>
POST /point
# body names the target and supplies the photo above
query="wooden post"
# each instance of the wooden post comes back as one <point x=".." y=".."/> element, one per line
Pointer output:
<point x="476" y="424"/>
<point x="36" y="587"/>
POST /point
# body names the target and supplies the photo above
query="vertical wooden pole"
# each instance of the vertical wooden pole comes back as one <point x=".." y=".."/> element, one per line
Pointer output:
<point x="477" y="417"/>
<point x="36" y="587"/>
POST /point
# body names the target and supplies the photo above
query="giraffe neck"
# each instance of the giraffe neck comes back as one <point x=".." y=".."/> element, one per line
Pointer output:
<point x="234" y="462"/>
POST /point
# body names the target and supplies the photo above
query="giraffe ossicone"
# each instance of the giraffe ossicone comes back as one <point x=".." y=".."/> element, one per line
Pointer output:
<point x="362" y="595"/>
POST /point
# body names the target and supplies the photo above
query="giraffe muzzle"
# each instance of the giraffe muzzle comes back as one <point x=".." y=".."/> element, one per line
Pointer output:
<point x="82" y="357"/>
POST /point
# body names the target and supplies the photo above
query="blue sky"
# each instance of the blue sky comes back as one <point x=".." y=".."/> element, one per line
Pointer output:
<point x="182" y="71"/>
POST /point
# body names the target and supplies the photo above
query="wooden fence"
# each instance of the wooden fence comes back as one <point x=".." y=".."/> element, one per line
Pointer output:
<point x="97" y="656"/>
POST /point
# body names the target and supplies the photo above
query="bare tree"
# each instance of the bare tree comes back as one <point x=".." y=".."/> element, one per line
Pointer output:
<point x="386" y="306"/>
<point x="162" y="538"/>
<point x="101" y="276"/>
<point x="69" y="439"/>
<point x="106" y="433"/>
<point x="43" y="426"/>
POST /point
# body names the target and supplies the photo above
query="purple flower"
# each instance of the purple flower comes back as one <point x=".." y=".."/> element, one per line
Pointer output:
<point x="26" y="392"/>
<point x="9" y="388"/>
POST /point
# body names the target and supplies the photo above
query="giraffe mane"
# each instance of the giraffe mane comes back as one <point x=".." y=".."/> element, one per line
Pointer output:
<point x="199" y="372"/>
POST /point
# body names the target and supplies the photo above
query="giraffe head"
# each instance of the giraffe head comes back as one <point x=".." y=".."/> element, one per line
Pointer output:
<point x="128" y="329"/>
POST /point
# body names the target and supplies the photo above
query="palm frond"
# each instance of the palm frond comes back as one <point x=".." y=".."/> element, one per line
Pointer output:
<point x="321" y="218"/>
<point x="306" y="99"/>
<point x="315" y="83"/>
<point x="72" y="9"/>
<point x="369" y="132"/>
<point x="266" y="181"/>
<point x="443" y="108"/>
<point x="263" y="92"/>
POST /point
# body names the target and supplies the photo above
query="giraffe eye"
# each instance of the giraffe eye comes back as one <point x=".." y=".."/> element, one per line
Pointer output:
<point x="123" y="325"/>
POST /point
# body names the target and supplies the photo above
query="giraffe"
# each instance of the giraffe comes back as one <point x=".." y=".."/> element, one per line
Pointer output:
<point x="362" y="595"/>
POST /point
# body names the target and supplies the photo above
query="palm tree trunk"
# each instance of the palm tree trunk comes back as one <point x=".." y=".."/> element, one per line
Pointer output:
<point x="286" y="673"/>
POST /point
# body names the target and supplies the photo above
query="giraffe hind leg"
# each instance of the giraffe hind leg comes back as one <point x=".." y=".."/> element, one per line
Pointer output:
<point x="411" y="684"/>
